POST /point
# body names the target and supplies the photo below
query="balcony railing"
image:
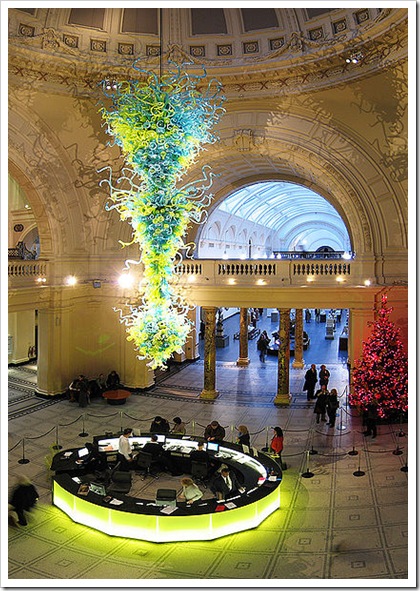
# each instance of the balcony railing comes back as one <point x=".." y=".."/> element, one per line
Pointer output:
<point x="208" y="272"/>
<point x="29" y="270"/>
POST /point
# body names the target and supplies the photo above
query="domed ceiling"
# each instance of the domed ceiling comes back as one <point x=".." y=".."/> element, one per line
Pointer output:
<point x="345" y="41"/>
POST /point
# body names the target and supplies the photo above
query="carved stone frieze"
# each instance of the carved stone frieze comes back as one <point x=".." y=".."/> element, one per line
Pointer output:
<point x="300" y="61"/>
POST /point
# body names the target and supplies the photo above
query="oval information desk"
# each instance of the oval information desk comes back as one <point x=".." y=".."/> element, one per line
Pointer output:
<point x="130" y="517"/>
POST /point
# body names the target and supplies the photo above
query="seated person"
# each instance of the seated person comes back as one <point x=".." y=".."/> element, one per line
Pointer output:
<point x="190" y="491"/>
<point x="95" y="461"/>
<point x="226" y="484"/>
<point x="160" y="456"/>
<point x="214" y="432"/>
<point x="113" y="380"/>
<point x="179" y="427"/>
<point x="199" y="455"/>
<point x="153" y="447"/>
<point x="159" y="425"/>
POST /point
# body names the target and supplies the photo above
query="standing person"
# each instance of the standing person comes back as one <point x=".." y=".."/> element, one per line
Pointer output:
<point x="124" y="450"/>
<point x="321" y="403"/>
<point x="214" y="432"/>
<point x="311" y="378"/>
<point x="243" y="436"/>
<point x="24" y="497"/>
<point x="276" y="444"/>
<point x="262" y="345"/>
<point x="332" y="406"/>
<point x="179" y="426"/>
<point x="324" y="376"/>
<point x="84" y="395"/>
<point x="190" y="491"/>
<point x="159" y="425"/>
<point x="371" y="416"/>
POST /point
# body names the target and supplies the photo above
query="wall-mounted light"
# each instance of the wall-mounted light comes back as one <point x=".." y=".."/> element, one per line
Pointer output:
<point x="71" y="280"/>
<point x="41" y="280"/>
<point x="309" y="279"/>
<point x="191" y="278"/>
<point x="232" y="281"/>
<point x="261" y="282"/>
<point x="339" y="279"/>
<point x="367" y="282"/>
<point x="346" y="255"/>
<point x="125" y="281"/>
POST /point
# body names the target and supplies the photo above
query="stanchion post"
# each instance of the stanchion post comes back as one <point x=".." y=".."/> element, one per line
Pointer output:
<point x="57" y="445"/>
<point x="121" y="427"/>
<point x="359" y="472"/>
<point x="266" y="440"/>
<point x="307" y="474"/>
<point x="83" y="433"/>
<point x="401" y="432"/>
<point x="23" y="460"/>
<point x="193" y="428"/>
<point x="353" y="452"/>
<point x="397" y="451"/>
<point x="312" y="451"/>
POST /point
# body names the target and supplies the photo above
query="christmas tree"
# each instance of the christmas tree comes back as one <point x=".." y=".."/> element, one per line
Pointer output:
<point x="380" y="377"/>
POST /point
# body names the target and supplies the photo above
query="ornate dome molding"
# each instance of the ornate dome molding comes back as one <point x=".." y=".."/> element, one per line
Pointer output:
<point x="301" y="63"/>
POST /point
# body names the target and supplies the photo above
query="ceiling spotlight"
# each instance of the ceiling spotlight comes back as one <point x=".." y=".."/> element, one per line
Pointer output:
<point x="354" y="58"/>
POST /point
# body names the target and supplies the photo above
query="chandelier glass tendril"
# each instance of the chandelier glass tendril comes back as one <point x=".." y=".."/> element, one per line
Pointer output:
<point x="161" y="124"/>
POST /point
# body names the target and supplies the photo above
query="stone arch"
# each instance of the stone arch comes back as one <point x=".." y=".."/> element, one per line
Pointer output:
<point x="324" y="155"/>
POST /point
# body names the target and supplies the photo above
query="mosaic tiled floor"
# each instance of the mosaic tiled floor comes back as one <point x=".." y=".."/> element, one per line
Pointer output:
<point x="336" y="527"/>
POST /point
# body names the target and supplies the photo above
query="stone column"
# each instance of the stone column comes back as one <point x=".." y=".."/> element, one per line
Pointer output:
<point x="209" y="390"/>
<point x="298" y="360"/>
<point x="283" y="396"/>
<point x="243" y="359"/>
<point x="53" y="374"/>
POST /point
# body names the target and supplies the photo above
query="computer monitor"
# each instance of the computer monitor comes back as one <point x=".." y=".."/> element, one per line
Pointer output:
<point x="99" y="489"/>
<point x="83" y="452"/>
<point x="212" y="446"/>
<point x="161" y="438"/>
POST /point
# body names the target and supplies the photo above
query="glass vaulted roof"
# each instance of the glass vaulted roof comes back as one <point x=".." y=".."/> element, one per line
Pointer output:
<point x="294" y="212"/>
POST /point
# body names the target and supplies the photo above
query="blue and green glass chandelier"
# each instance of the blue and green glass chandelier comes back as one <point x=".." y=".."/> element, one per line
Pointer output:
<point x="161" y="123"/>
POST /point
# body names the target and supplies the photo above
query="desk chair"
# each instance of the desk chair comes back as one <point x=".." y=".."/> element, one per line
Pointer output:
<point x="144" y="461"/>
<point x="199" y="471"/>
<point x="120" y="482"/>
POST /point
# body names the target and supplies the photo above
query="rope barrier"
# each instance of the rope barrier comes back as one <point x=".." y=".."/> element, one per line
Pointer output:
<point x="43" y="435"/>
<point x="72" y="423"/>
<point x="102" y="416"/>
<point x="15" y="446"/>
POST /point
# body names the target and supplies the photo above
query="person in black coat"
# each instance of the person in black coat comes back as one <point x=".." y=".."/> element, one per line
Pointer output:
<point x="159" y="425"/>
<point x="332" y="406"/>
<point x="321" y="403"/>
<point x="243" y="436"/>
<point x="113" y="380"/>
<point x="214" y="432"/>
<point x="311" y="378"/>
<point x="24" y="497"/>
<point x="324" y="376"/>
<point x="226" y="484"/>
